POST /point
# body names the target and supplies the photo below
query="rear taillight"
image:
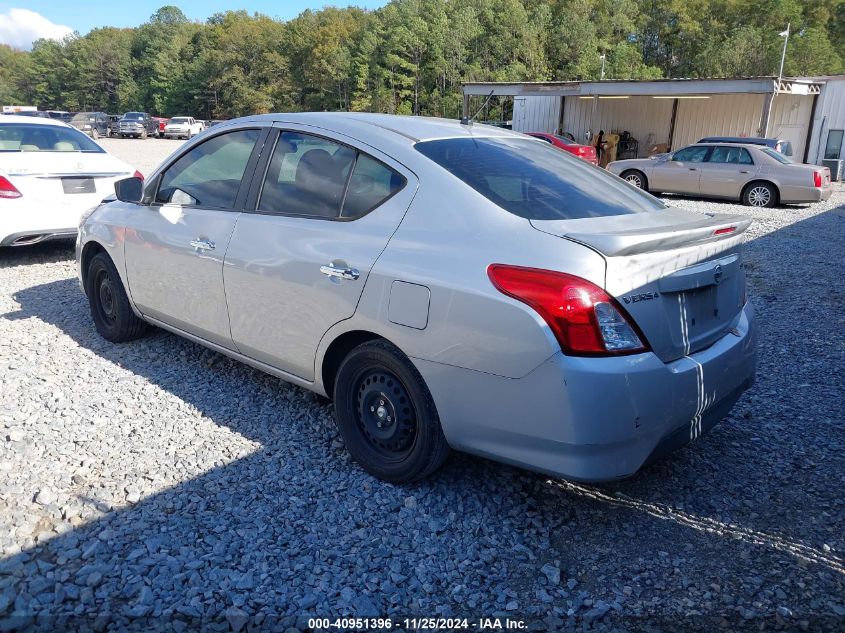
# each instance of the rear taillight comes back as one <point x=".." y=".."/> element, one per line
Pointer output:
<point x="7" y="189"/>
<point x="585" y="320"/>
<point x="138" y="174"/>
<point x="817" y="179"/>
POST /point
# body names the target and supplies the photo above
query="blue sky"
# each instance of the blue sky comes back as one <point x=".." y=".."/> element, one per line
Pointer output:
<point x="22" y="21"/>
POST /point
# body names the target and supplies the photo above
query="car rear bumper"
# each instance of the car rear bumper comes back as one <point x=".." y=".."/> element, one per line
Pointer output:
<point x="594" y="419"/>
<point x="27" y="238"/>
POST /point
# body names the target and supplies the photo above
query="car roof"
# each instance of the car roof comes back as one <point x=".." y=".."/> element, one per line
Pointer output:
<point x="35" y="120"/>
<point x="745" y="140"/>
<point x="413" y="128"/>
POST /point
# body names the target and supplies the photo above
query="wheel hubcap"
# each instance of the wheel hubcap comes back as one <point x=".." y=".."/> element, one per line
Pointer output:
<point x="759" y="196"/>
<point x="385" y="413"/>
<point x="635" y="180"/>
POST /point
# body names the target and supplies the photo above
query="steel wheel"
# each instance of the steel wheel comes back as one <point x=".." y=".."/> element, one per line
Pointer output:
<point x="110" y="309"/>
<point x="386" y="415"/>
<point x="106" y="304"/>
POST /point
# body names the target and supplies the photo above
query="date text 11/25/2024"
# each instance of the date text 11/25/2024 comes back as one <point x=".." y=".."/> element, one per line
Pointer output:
<point x="416" y="624"/>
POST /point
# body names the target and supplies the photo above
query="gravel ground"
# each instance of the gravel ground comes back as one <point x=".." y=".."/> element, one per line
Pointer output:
<point x="159" y="482"/>
<point x="143" y="154"/>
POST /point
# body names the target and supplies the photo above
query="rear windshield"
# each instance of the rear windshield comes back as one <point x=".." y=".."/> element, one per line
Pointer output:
<point x="536" y="181"/>
<point x="23" y="137"/>
<point x="83" y="117"/>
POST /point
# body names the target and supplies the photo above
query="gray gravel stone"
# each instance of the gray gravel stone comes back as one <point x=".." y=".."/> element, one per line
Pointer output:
<point x="158" y="477"/>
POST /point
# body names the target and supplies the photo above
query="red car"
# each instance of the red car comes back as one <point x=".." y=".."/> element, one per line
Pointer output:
<point x="161" y="123"/>
<point x="586" y="152"/>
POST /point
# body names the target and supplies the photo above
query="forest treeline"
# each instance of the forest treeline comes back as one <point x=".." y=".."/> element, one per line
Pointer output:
<point x="410" y="56"/>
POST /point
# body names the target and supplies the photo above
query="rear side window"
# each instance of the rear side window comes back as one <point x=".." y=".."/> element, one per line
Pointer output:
<point x="536" y="181"/>
<point x="768" y="151"/>
<point x="736" y="155"/>
<point x="210" y="174"/>
<point x="320" y="178"/>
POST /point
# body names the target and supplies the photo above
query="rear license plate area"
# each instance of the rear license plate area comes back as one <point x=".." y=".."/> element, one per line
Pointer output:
<point x="78" y="185"/>
<point x="702" y="308"/>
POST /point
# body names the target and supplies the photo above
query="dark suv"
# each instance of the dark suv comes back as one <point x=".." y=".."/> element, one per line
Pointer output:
<point x="779" y="145"/>
<point x="94" y="124"/>
<point x="137" y="125"/>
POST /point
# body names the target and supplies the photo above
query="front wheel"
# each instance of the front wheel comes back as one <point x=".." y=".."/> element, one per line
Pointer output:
<point x="95" y="134"/>
<point x="760" y="194"/>
<point x="636" y="178"/>
<point x="386" y="414"/>
<point x="110" y="309"/>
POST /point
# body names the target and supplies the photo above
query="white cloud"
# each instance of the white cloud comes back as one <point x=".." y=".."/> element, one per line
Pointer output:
<point x="19" y="28"/>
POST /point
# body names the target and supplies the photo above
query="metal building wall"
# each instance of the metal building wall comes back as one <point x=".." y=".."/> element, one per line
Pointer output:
<point x="536" y="114"/>
<point x="830" y="115"/>
<point x="646" y="118"/>
<point x="790" y="119"/>
<point x="719" y="115"/>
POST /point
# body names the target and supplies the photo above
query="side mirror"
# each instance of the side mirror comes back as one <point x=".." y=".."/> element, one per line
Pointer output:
<point x="129" y="189"/>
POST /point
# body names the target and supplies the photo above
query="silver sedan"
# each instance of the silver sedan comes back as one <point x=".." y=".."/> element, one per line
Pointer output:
<point x="447" y="285"/>
<point x="756" y="175"/>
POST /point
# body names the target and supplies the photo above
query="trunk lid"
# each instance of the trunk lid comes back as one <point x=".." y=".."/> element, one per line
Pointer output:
<point x="678" y="274"/>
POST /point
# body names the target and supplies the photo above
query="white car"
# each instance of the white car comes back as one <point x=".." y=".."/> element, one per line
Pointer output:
<point x="182" y="127"/>
<point x="50" y="174"/>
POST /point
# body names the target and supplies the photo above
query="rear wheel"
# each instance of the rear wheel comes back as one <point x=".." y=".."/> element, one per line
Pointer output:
<point x="636" y="178"/>
<point x="760" y="194"/>
<point x="110" y="309"/>
<point x="386" y="414"/>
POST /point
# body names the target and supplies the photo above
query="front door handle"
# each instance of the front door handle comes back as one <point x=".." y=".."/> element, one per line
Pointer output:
<point x="341" y="272"/>
<point x="202" y="244"/>
<point x="744" y="171"/>
<point x="693" y="169"/>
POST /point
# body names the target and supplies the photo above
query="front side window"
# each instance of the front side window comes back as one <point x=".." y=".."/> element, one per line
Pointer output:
<point x="210" y="174"/>
<point x="23" y="137"/>
<point x="693" y="154"/>
<point x="317" y="177"/>
<point x="833" y="147"/>
<point x="534" y="180"/>
<point x="734" y="155"/>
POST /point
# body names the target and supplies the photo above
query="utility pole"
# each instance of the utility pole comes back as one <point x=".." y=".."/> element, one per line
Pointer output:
<point x="768" y="109"/>
<point x="785" y="36"/>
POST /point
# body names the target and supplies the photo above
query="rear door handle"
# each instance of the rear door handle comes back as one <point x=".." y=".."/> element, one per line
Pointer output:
<point x="202" y="244"/>
<point x="693" y="169"/>
<point x="341" y="272"/>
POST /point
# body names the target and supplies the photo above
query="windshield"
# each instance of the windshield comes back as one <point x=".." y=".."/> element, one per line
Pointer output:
<point x="534" y="180"/>
<point x="23" y="137"/>
<point x="777" y="156"/>
<point x="133" y="115"/>
<point x="179" y="119"/>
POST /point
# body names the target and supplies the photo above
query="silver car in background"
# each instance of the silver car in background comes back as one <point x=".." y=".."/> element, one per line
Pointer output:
<point x="758" y="176"/>
<point x="447" y="285"/>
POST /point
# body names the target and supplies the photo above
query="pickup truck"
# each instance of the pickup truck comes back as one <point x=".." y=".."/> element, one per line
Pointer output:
<point x="182" y="127"/>
<point x="136" y="124"/>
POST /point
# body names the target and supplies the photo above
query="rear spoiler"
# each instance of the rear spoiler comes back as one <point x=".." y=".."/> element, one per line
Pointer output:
<point x="650" y="239"/>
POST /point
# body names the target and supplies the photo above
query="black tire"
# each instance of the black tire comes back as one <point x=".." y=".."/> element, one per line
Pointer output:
<point x="636" y="178"/>
<point x="760" y="194"/>
<point x="386" y="414"/>
<point x="110" y="309"/>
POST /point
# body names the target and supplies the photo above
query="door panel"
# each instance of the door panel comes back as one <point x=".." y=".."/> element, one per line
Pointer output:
<point x="173" y="281"/>
<point x="175" y="246"/>
<point x="681" y="173"/>
<point x="281" y="293"/>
